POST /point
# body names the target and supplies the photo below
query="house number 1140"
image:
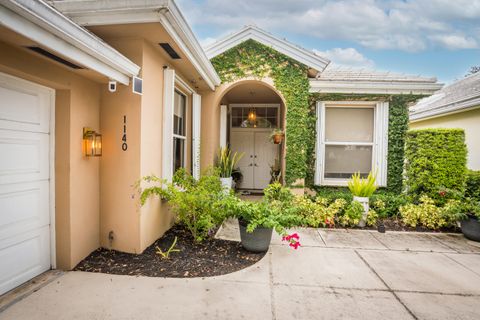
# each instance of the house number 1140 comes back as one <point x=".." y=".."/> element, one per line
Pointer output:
<point x="124" y="137"/>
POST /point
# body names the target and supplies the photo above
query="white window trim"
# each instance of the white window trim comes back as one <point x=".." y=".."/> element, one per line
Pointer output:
<point x="379" y="144"/>
<point x="223" y="125"/>
<point x="167" y="143"/>
<point x="184" y="138"/>
<point x="196" y="134"/>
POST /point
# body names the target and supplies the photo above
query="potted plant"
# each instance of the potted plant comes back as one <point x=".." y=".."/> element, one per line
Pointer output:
<point x="277" y="136"/>
<point x="361" y="190"/>
<point x="469" y="217"/>
<point x="258" y="219"/>
<point x="275" y="171"/>
<point x="226" y="163"/>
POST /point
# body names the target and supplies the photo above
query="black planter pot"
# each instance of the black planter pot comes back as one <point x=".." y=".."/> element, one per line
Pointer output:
<point x="256" y="241"/>
<point x="471" y="228"/>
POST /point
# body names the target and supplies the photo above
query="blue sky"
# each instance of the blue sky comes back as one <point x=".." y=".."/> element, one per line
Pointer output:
<point x="428" y="37"/>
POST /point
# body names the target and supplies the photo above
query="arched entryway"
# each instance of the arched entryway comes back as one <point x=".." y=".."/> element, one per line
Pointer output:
<point x="250" y="111"/>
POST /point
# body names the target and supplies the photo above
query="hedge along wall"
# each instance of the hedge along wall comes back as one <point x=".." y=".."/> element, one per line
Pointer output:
<point x="435" y="159"/>
<point x="253" y="59"/>
<point x="397" y="130"/>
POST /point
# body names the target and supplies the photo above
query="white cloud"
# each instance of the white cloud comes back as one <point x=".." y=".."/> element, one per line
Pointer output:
<point x="412" y="25"/>
<point x="451" y="41"/>
<point x="207" y="41"/>
<point x="346" y="57"/>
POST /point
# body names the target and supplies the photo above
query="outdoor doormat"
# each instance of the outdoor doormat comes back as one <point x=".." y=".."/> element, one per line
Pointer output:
<point x="211" y="257"/>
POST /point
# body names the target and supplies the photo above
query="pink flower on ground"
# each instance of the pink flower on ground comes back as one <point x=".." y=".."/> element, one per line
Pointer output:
<point x="293" y="240"/>
<point x="294" y="245"/>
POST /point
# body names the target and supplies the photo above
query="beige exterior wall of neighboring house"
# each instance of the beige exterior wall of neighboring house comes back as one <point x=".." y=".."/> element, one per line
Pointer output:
<point x="467" y="120"/>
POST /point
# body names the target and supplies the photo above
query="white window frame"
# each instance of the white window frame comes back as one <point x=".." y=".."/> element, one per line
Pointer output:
<point x="379" y="144"/>
<point x="254" y="106"/>
<point x="184" y="138"/>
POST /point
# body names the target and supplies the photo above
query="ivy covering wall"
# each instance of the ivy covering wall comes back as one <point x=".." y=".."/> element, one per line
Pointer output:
<point x="397" y="130"/>
<point x="253" y="59"/>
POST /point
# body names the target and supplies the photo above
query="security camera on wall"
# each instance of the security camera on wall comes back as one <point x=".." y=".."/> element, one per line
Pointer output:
<point x="112" y="86"/>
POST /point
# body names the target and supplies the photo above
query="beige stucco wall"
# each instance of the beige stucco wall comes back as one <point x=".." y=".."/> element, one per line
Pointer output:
<point x="134" y="227"/>
<point x="120" y="169"/>
<point x="77" y="190"/>
<point x="469" y="121"/>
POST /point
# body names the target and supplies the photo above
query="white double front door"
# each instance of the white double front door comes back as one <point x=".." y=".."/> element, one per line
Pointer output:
<point x="259" y="155"/>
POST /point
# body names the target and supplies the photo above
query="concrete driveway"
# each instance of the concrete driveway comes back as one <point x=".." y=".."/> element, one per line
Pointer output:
<point x="337" y="274"/>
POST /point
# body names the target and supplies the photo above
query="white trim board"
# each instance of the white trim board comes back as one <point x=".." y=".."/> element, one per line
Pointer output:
<point x="254" y="33"/>
<point x="184" y="85"/>
<point x="373" y="87"/>
<point x="447" y="109"/>
<point x="41" y="23"/>
<point x="166" y="12"/>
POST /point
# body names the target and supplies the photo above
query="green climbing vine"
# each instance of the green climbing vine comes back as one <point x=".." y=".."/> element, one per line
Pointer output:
<point x="397" y="129"/>
<point x="253" y="59"/>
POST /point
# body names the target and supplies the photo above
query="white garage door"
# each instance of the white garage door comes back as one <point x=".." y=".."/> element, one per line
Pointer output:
<point x="24" y="180"/>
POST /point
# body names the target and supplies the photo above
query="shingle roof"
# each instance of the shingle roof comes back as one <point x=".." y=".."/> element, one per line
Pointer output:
<point x="366" y="81"/>
<point x="347" y="74"/>
<point x="460" y="95"/>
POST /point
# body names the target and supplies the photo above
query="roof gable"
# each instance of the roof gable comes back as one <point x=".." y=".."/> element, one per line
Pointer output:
<point x="295" y="52"/>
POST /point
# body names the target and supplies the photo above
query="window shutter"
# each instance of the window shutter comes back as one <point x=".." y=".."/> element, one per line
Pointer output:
<point x="167" y="144"/>
<point x="223" y="126"/>
<point x="318" y="146"/>
<point x="381" y="152"/>
<point x="197" y="119"/>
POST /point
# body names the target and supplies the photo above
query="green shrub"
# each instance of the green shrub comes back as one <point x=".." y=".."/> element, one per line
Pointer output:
<point x="429" y="215"/>
<point x="472" y="189"/>
<point x="435" y="159"/>
<point x="333" y="193"/>
<point x="317" y="213"/>
<point x="352" y="214"/>
<point x="372" y="218"/>
<point x="387" y="204"/>
<point x="275" y="191"/>
<point x="198" y="205"/>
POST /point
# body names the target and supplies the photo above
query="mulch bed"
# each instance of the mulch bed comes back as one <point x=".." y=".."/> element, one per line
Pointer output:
<point x="211" y="257"/>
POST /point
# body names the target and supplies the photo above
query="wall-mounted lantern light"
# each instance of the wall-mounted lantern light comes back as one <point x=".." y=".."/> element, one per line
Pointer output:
<point x="252" y="115"/>
<point x="92" y="143"/>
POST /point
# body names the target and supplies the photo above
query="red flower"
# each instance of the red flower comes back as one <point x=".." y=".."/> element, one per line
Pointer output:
<point x="292" y="239"/>
<point x="294" y="245"/>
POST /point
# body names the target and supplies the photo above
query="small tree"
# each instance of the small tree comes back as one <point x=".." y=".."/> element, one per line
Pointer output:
<point x="473" y="70"/>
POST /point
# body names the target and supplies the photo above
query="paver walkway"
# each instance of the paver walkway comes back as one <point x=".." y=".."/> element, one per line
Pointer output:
<point x="336" y="274"/>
